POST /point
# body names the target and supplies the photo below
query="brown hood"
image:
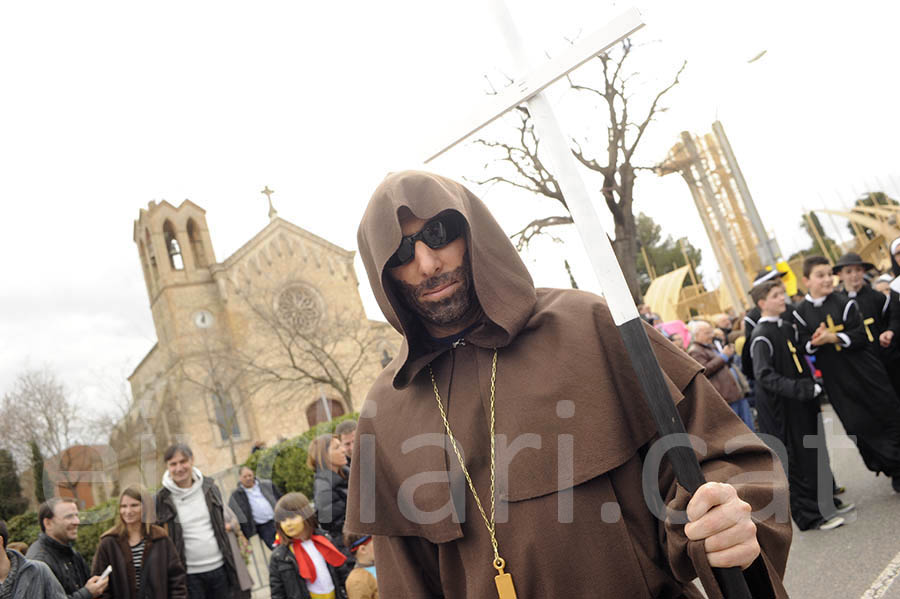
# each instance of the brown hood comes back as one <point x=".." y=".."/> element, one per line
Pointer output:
<point x="502" y="283"/>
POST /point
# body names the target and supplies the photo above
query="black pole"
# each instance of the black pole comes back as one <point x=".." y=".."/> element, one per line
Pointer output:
<point x="668" y="421"/>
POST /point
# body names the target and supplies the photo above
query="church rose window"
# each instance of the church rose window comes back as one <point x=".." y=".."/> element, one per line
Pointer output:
<point x="299" y="307"/>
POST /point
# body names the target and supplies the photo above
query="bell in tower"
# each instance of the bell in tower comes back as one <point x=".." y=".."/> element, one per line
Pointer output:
<point x="174" y="246"/>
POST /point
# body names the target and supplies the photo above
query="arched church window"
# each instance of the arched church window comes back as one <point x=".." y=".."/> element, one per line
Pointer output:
<point x="172" y="416"/>
<point x="323" y="410"/>
<point x="174" y="250"/>
<point x="151" y="254"/>
<point x="226" y="416"/>
<point x="299" y="307"/>
<point x="196" y="244"/>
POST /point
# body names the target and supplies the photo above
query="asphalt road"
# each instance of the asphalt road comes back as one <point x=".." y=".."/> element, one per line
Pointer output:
<point x="848" y="561"/>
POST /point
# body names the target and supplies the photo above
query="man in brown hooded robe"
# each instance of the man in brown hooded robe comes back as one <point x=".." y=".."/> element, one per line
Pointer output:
<point x="574" y="439"/>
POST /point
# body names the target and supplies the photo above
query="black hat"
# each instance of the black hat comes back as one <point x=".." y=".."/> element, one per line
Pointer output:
<point x="767" y="275"/>
<point x="850" y="259"/>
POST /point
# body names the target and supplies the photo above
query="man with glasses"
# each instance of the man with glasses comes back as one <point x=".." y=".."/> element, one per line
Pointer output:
<point x="506" y="445"/>
<point x="58" y="517"/>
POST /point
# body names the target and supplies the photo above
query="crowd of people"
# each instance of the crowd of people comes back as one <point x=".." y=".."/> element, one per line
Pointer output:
<point x="777" y="363"/>
<point x="491" y="365"/>
<point x="185" y="542"/>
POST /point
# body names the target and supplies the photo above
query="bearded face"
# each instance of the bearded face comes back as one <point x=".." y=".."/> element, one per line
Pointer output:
<point x="446" y="311"/>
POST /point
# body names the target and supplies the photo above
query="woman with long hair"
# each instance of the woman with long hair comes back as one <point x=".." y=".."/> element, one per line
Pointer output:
<point x="145" y="563"/>
<point x="326" y="457"/>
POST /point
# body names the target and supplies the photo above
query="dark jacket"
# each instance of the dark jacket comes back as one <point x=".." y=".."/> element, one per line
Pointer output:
<point x="162" y="573"/>
<point x="66" y="564"/>
<point x="240" y="504"/>
<point x="167" y="518"/>
<point x="284" y="574"/>
<point x="717" y="371"/>
<point x="29" y="579"/>
<point x="330" y="497"/>
<point x="750" y="321"/>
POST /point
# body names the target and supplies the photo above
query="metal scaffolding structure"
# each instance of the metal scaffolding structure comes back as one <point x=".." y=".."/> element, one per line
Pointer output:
<point x="739" y="241"/>
<point x="723" y="201"/>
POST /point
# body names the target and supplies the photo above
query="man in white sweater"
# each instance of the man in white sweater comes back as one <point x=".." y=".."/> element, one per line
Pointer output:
<point x="189" y="507"/>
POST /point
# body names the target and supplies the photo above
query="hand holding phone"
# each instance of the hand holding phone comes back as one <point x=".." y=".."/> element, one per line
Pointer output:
<point x="97" y="584"/>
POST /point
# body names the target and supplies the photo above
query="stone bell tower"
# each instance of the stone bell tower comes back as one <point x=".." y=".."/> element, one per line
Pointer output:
<point x="176" y="257"/>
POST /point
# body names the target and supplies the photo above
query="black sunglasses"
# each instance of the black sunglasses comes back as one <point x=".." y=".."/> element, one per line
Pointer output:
<point x="438" y="232"/>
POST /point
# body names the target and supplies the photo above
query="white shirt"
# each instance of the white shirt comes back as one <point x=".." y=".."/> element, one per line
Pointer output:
<point x="201" y="550"/>
<point x="259" y="506"/>
<point x="323" y="583"/>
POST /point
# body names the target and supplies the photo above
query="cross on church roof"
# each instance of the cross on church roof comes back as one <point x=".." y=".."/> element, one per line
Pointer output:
<point x="268" y="193"/>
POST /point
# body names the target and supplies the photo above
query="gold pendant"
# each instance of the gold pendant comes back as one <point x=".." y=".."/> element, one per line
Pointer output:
<point x="505" y="588"/>
<point x="866" y="324"/>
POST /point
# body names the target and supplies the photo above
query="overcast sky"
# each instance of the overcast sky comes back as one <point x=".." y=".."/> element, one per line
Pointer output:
<point x="108" y="105"/>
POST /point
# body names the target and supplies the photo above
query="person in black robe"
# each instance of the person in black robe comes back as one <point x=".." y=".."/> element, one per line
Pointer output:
<point x="880" y="312"/>
<point x="752" y="316"/>
<point x="789" y="392"/>
<point x="831" y="328"/>
<point x="765" y="415"/>
<point x="890" y="339"/>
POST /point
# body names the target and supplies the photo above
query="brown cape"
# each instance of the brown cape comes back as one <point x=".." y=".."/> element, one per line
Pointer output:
<point x="573" y="435"/>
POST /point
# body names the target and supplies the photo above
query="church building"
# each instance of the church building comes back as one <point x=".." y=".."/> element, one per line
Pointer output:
<point x="253" y="349"/>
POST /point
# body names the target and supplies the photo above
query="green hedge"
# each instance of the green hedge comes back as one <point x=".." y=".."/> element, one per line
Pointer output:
<point x="94" y="522"/>
<point x="285" y="463"/>
<point x="24" y="528"/>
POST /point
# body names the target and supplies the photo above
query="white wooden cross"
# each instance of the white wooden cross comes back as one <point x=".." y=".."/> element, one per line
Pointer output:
<point x="528" y="89"/>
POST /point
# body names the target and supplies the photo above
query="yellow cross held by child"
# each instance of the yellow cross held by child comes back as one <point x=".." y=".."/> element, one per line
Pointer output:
<point x="794" y="355"/>
<point x="866" y="324"/>
<point x="834" y="329"/>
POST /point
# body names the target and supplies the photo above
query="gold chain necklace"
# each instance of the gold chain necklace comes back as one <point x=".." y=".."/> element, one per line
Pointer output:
<point x="503" y="580"/>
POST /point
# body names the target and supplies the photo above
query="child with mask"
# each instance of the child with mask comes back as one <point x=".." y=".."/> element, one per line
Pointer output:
<point x="305" y="563"/>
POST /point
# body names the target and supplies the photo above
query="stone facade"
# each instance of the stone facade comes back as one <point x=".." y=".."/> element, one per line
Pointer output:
<point x="238" y="341"/>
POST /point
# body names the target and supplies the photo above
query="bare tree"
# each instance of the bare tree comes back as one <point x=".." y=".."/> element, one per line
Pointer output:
<point x="614" y="163"/>
<point x="39" y="409"/>
<point x="223" y="376"/>
<point x="305" y="346"/>
<point x="112" y="387"/>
